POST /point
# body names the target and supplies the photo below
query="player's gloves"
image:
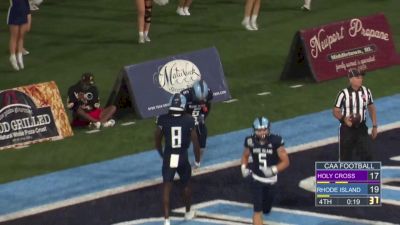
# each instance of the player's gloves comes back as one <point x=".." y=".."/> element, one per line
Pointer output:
<point x="270" y="171"/>
<point x="245" y="171"/>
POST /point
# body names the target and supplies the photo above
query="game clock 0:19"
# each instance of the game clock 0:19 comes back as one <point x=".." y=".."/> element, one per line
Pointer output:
<point x="353" y="201"/>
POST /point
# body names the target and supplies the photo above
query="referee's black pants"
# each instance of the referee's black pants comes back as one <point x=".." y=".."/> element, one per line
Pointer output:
<point x="355" y="143"/>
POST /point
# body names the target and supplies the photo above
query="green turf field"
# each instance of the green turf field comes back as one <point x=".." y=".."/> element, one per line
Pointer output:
<point x="69" y="37"/>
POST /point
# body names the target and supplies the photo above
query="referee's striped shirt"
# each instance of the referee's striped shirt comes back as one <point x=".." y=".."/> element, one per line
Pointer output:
<point x="352" y="102"/>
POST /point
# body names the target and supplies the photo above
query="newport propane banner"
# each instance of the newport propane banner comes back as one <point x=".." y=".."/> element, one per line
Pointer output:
<point x="330" y="51"/>
<point x="32" y="114"/>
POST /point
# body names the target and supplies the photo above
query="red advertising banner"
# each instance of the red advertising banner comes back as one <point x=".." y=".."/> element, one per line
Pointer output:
<point x="332" y="50"/>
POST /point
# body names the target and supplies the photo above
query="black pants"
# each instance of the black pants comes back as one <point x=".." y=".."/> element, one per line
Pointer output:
<point x="355" y="143"/>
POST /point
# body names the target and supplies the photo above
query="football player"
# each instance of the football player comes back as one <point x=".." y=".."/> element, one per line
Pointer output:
<point x="178" y="130"/>
<point x="269" y="158"/>
<point x="198" y="105"/>
<point x="83" y="100"/>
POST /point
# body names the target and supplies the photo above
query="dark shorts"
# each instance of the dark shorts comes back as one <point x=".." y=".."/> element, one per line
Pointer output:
<point x="201" y="131"/>
<point x="18" y="12"/>
<point x="184" y="171"/>
<point x="263" y="196"/>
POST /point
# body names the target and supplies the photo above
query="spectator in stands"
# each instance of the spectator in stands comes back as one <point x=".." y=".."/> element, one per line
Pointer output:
<point x="83" y="100"/>
<point x="144" y="8"/>
<point x="183" y="7"/>
<point x="307" y="5"/>
<point x="18" y="24"/>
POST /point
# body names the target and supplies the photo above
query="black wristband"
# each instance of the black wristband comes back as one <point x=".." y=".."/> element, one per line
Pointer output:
<point x="374" y="126"/>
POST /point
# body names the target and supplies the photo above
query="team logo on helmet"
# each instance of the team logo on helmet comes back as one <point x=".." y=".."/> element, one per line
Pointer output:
<point x="177" y="75"/>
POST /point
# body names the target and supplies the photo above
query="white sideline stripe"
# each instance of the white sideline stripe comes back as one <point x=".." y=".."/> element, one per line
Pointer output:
<point x="231" y="100"/>
<point x="390" y="187"/>
<point x="291" y="211"/>
<point x="395" y="158"/>
<point x="296" y="86"/>
<point x="21" y="146"/>
<point x="172" y="218"/>
<point x="92" y="131"/>
<point x="264" y="93"/>
<point x="217" y="216"/>
<point x="391" y="202"/>
<point x="128" y="123"/>
<point x="130" y="187"/>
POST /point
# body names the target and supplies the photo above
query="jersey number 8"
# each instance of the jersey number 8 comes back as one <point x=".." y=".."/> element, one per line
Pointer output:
<point x="176" y="137"/>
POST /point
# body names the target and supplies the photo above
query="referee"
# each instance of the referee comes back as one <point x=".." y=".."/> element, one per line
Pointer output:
<point x="350" y="109"/>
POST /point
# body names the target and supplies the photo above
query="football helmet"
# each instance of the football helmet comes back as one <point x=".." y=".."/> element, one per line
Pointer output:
<point x="177" y="102"/>
<point x="261" y="123"/>
<point x="200" y="90"/>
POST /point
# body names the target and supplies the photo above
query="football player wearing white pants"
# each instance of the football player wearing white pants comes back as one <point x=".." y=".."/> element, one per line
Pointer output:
<point x="269" y="159"/>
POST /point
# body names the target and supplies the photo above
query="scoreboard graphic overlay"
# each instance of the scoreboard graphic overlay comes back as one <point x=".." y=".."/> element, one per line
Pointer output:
<point x="348" y="184"/>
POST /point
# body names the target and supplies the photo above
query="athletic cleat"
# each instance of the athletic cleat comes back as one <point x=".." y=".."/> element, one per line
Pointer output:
<point x="95" y="126"/>
<point x="147" y="39"/>
<point x="166" y="222"/>
<point x="141" y="40"/>
<point x="186" y="11"/>
<point x="109" y="123"/>
<point x="20" y="61"/>
<point x="247" y="26"/>
<point x="33" y="7"/>
<point x="14" y="63"/>
<point x="25" y="52"/>
<point x="190" y="215"/>
<point x="254" y="26"/>
<point x="305" y="8"/>
<point x="180" y="11"/>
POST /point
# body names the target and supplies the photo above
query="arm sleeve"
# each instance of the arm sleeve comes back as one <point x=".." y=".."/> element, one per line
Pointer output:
<point x="370" y="99"/>
<point x="72" y="102"/>
<point x="339" y="100"/>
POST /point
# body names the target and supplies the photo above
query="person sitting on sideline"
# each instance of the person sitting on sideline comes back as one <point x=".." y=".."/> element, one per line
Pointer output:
<point x="83" y="100"/>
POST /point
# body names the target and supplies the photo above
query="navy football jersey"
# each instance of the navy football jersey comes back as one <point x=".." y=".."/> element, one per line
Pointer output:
<point x="264" y="155"/>
<point x="87" y="99"/>
<point x="198" y="110"/>
<point x="177" y="134"/>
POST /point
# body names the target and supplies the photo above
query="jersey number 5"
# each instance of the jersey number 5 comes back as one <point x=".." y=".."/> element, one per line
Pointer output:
<point x="262" y="160"/>
<point x="176" y="137"/>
